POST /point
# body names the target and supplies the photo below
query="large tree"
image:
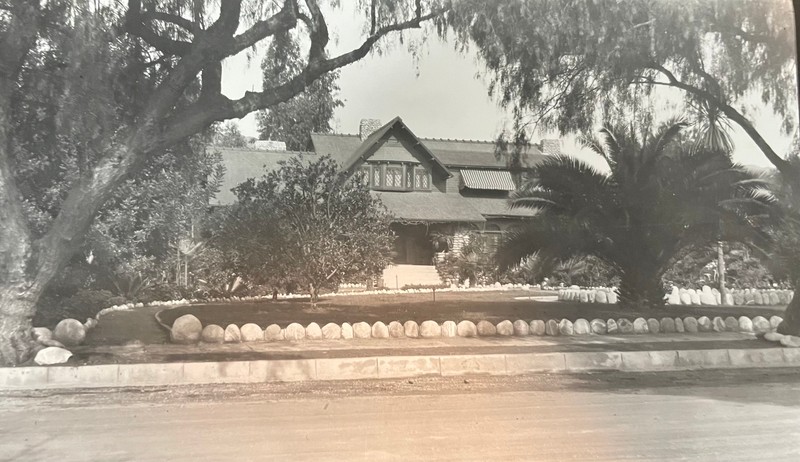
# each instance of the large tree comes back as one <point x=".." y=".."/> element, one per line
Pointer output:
<point x="567" y="64"/>
<point x="307" y="223"/>
<point x="293" y="121"/>
<point x="658" y="197"/>
<point x="139" y="78"/>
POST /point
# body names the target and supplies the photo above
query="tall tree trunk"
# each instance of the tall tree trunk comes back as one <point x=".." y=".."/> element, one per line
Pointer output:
<point x="640" y="289"/>
<point x="721" y="271"/>
<point x="314" y="291"/>
<point x="791" y="318"/>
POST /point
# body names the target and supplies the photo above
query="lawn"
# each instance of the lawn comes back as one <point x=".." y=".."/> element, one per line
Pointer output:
<point x="120" y="327"/>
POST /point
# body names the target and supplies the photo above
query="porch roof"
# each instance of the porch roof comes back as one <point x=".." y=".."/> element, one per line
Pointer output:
<point x="429" y="207"/>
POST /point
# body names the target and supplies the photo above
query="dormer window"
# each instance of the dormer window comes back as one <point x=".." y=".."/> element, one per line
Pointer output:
<point x="396" y="176"/>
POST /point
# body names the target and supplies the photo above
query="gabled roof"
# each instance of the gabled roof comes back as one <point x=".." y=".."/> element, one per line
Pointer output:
<point x="429" y="207"/>
<point x="451" y="153"/>
<point x="376" y="139"/>
<point x="242" y="164"/>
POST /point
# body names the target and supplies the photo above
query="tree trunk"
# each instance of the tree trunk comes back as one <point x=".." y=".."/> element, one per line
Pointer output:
<point x="721" y="271"/>
<point x="641" y="289"/>
<point x="314" y="291"/>
<point x="16" y="315"/>
<point x="791" y="318"/>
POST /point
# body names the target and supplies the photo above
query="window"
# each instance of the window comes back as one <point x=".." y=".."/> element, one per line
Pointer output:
<point x="422" y="180"/>
<point x="376" y="175"/>
<point x="393" y="176"/>
<point x="365" y="171"/>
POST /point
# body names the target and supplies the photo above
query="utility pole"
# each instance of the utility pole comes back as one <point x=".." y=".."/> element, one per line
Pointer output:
<point x="721" y="271"/>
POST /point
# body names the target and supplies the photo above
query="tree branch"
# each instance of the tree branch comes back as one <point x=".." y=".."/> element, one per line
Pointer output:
<point x="179" y="21"/>
<point x="284" y="20"/>
<point x="135" y="25"/>
<point x="780" y="163"/>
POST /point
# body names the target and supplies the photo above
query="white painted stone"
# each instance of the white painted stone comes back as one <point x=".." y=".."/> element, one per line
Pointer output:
<point x="313" y="331"/>
<point x="212" y="333"/>
<point x="745" y="324"/>
<point x="537" y="327"/>
<point x="612" y="327"/>
<point x="704" y="324"/>
<point x="379" y="330"/>
<point x="466" y="329"/>
<point x="347" y="331"/>
<point x="396" y="330"/>
<point x="232" y="334"/>
<point x="52" y="355"/>
<point x="521" y="328"/>
<point x="186" y="329"/>
<point x="581" y="327"/>
<point x="430" y="329"/>
<point x="449" y="329"/>
<point x="565" y="327"/>
<point x="486" y="329"/>
<point x="331" y="331"/>
<point x="598" y="327"/>
<point x="274" y="333"/>
<point x="252" y="332"/>
<point x="362" y="330"/>
<point x="640" y="326"/>
<point x="411" y="329"/>
<point x="505" y="328"/>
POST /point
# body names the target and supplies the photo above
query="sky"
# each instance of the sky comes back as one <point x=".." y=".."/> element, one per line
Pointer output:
<point x="439" y="93"/>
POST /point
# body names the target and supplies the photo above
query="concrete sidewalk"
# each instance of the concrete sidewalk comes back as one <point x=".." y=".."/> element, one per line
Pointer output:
<point x="163" y="365"/>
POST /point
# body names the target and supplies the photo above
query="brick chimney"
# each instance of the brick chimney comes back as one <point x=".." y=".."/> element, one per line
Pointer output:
<point x="551" y="147"/>
<point x="368" y="127"/>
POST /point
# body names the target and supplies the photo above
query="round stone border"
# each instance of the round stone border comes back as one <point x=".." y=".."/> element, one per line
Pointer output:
<point x="379" y="330"/>
<point x="706" y="296"/>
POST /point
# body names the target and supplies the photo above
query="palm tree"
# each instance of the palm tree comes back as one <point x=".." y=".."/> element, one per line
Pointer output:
<point x="658" y="197"/>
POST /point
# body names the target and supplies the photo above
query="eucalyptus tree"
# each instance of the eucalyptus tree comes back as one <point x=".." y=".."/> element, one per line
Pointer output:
<point x="135" y="78"/>
<point x="658" y="197"/>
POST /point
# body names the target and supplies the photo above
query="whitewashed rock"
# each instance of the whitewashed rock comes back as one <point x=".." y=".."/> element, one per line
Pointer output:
<point x="718" y="324"/>
<point x="467" y="329"/>
<point x="731" y="324"/>
<point x="41" y="333"/>
<point x="584" y="296"/>
<point x="505" y="328"/>
<point x="212" y="333"/>
<point x="775" y="321"/>
<point x="612" y="327"/>
<point x="396" y="330"/>
<point x="521" y="328"/>
<point x="331" y="331"/>
<point x="685" y="298"/>
<point x="274" y="333"/>
<point x="52" y="355"/>
<point x="486" y="329"/>
<point x="625" y="326"/>
<point x="653" y="326"/>
<point x="749" y="297"/>
<point x="691" y="325"/>
<point x="667" y="325"/>
<point x="674" y="297"/>
<point x="411" y="329"/>
<point x="537" y="327"/>
<point x="581" y="327"/>
<point x="790" y="341"/>
<point x="761" y="325"/>
<point x="347" y="331"/>
<point x="449" y="329"/>
<point x="598" y="327"/>
<point x="90" y="323"/>
<point x="704" y="324"/>
<point x="640" y="326"/>
<point x="362" y="330"/>
<point x="707" y="297"/>
<point x="186" y="329"/>
<point x="71" y="332"/>
<point x="717" y="296"/>
<point x="232" y="334"/>
<point x="565" y="327"/>
<point x="773" y="336"/>
<point x="601" y="296"/>
<point x="738" y="298"/>
<point x="313" y="331"/>
<point x="694" y="296"/>
<point x="679" y="326"/>
<point x="52" y="343"/>
<point x="379" y="330"/>
<point x="252" y="332"/>
<point x="774" y="299"/>
<point x="783" y="297"/>
<point x="612" y="297"/>
<point x="551" y="328"/>
<point x="430" y="329"/>
<point x="758" y="299"/>
<point x="745" y="324"/>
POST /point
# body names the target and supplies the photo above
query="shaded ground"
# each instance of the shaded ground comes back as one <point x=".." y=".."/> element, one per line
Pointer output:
<point x="120" y="327"/>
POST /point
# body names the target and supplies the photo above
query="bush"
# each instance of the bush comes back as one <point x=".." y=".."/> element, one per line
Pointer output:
<point x="85" y="303"/>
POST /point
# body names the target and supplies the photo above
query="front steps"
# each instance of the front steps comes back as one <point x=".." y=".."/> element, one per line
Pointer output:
<point x="399" y="276"/>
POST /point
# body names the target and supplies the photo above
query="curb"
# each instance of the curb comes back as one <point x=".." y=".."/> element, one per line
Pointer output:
<point x="380" y="367"/>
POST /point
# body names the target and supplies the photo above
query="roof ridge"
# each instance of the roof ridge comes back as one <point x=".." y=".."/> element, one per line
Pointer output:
<point x="285" y="151"/>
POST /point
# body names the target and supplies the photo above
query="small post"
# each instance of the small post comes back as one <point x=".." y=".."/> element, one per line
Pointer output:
<point x="434" y="295"/>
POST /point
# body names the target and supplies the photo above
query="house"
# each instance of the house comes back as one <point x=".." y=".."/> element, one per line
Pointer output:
<point x="438" y="190"/>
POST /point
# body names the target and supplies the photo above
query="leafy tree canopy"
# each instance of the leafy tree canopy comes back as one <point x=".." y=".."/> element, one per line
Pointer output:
<point x="293" y="121"/>
<point x="568" y="64"/>
<point x="308" y="224"/>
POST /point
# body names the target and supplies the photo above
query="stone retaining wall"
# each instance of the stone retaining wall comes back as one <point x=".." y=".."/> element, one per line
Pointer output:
<point x="187" y="329"/>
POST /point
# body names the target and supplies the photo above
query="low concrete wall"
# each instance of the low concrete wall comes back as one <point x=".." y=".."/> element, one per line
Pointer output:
<point x="372" y="367"/>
